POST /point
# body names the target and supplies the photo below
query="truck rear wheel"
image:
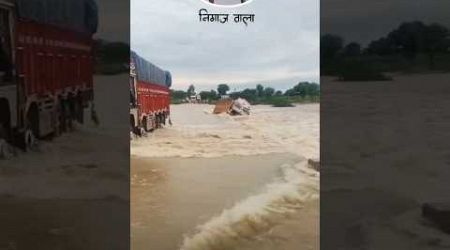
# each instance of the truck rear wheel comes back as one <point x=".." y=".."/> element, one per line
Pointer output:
<point x="133" y="128"/>
<point x="132" y="125"/>
<point x="79" y="109"/>
<point x="145" y="124"/>
<point x="56" y="121"/>
<point x="28" y="137"/>
<point x="29" y="140"/>
<point x="5" y="121"/>
<point x="154" y="122"/>
<point x="158" y="121"/>
<point x="4" y="139"/>
<point x="70" y="112"/>
<point x="5" y="131"/>
<point x="66" y="115"/>
<point x="62" y="116"/>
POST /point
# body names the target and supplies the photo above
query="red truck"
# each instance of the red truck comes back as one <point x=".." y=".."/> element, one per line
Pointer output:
<point x="46" y="66"/>
<point x="149" y="95"/>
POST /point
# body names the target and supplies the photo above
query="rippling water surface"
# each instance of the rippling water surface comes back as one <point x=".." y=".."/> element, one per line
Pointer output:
<point x="221" y="182"/>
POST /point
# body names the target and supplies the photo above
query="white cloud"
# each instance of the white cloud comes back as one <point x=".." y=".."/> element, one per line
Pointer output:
<point x="281" y="46"/>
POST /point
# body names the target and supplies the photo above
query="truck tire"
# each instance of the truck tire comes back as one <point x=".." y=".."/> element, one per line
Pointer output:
<point x="56" y="120"/>
<point x="56" y="124"/>
<point x="4" y="132"/>
<point x="145" y="124"/>
<point x="62" y="116"/>
<point x="158" y="121"/>
<point x="29" y="135"/>
<point x="142" y="132"/>
<point x="68" y="114"/>
<point x="29" y="140"/>
<point x="153" y="122"/>
<point x="133" y="128"/>
<point x="5" y="121"/>
<point x="79" y="109"/>
<point x="132" y="125"/>
<point x="33" y="120"/>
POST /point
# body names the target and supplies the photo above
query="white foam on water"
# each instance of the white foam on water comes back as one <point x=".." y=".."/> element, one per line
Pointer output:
<point x="198" y="133"/>
<point x="258" y="214"/>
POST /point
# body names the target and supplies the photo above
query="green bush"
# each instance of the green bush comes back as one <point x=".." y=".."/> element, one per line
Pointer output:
<point x="305" y="99"/>
<point x="280" y="101"/>
<point x="177" y="101"/>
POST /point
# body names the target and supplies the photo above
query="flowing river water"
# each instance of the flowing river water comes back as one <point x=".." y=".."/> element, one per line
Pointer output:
<point x="220" y="182"/>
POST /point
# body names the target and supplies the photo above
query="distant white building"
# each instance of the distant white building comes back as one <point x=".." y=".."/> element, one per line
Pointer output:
<point x="195" y="98"/>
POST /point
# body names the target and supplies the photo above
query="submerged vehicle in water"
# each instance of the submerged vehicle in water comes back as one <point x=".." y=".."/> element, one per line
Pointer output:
<point x="239" y="106"/>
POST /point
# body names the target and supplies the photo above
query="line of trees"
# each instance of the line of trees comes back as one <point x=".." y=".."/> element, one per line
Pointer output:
<point x="411" y="44"/>
<point x="301" y="92"/>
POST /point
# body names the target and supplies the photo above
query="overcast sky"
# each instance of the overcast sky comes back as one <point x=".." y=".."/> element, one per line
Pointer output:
<point x="366" y="20"/>
<point x="279" y="49"/>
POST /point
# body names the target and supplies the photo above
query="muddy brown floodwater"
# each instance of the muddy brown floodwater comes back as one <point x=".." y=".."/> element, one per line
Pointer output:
<point x="391" y="158"/>
<point x="72" y="192"/>
<point x="218" y="182"/>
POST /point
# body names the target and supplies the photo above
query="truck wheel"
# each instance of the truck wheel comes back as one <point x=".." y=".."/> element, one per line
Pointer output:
<point x="5" y="121"/>
<point x="5" y="132"/>
<point x="132" y="125"/>
<point x="4" y="139"/>
<point x="32" y="129"/>
<point x="56" y="120"/>
<point x="153" y="122"/>
<point x="57" y="128"/>
<point x="79" y="110"/>
<point x="62" y="116"/>
<point x="71" y="102"/>
<point x="142" y="132"/>
<point x="69" y="114"/>
<point x="29" y="140"/>
<point x="158" y="122"/>
<point x="145" y="124"/>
